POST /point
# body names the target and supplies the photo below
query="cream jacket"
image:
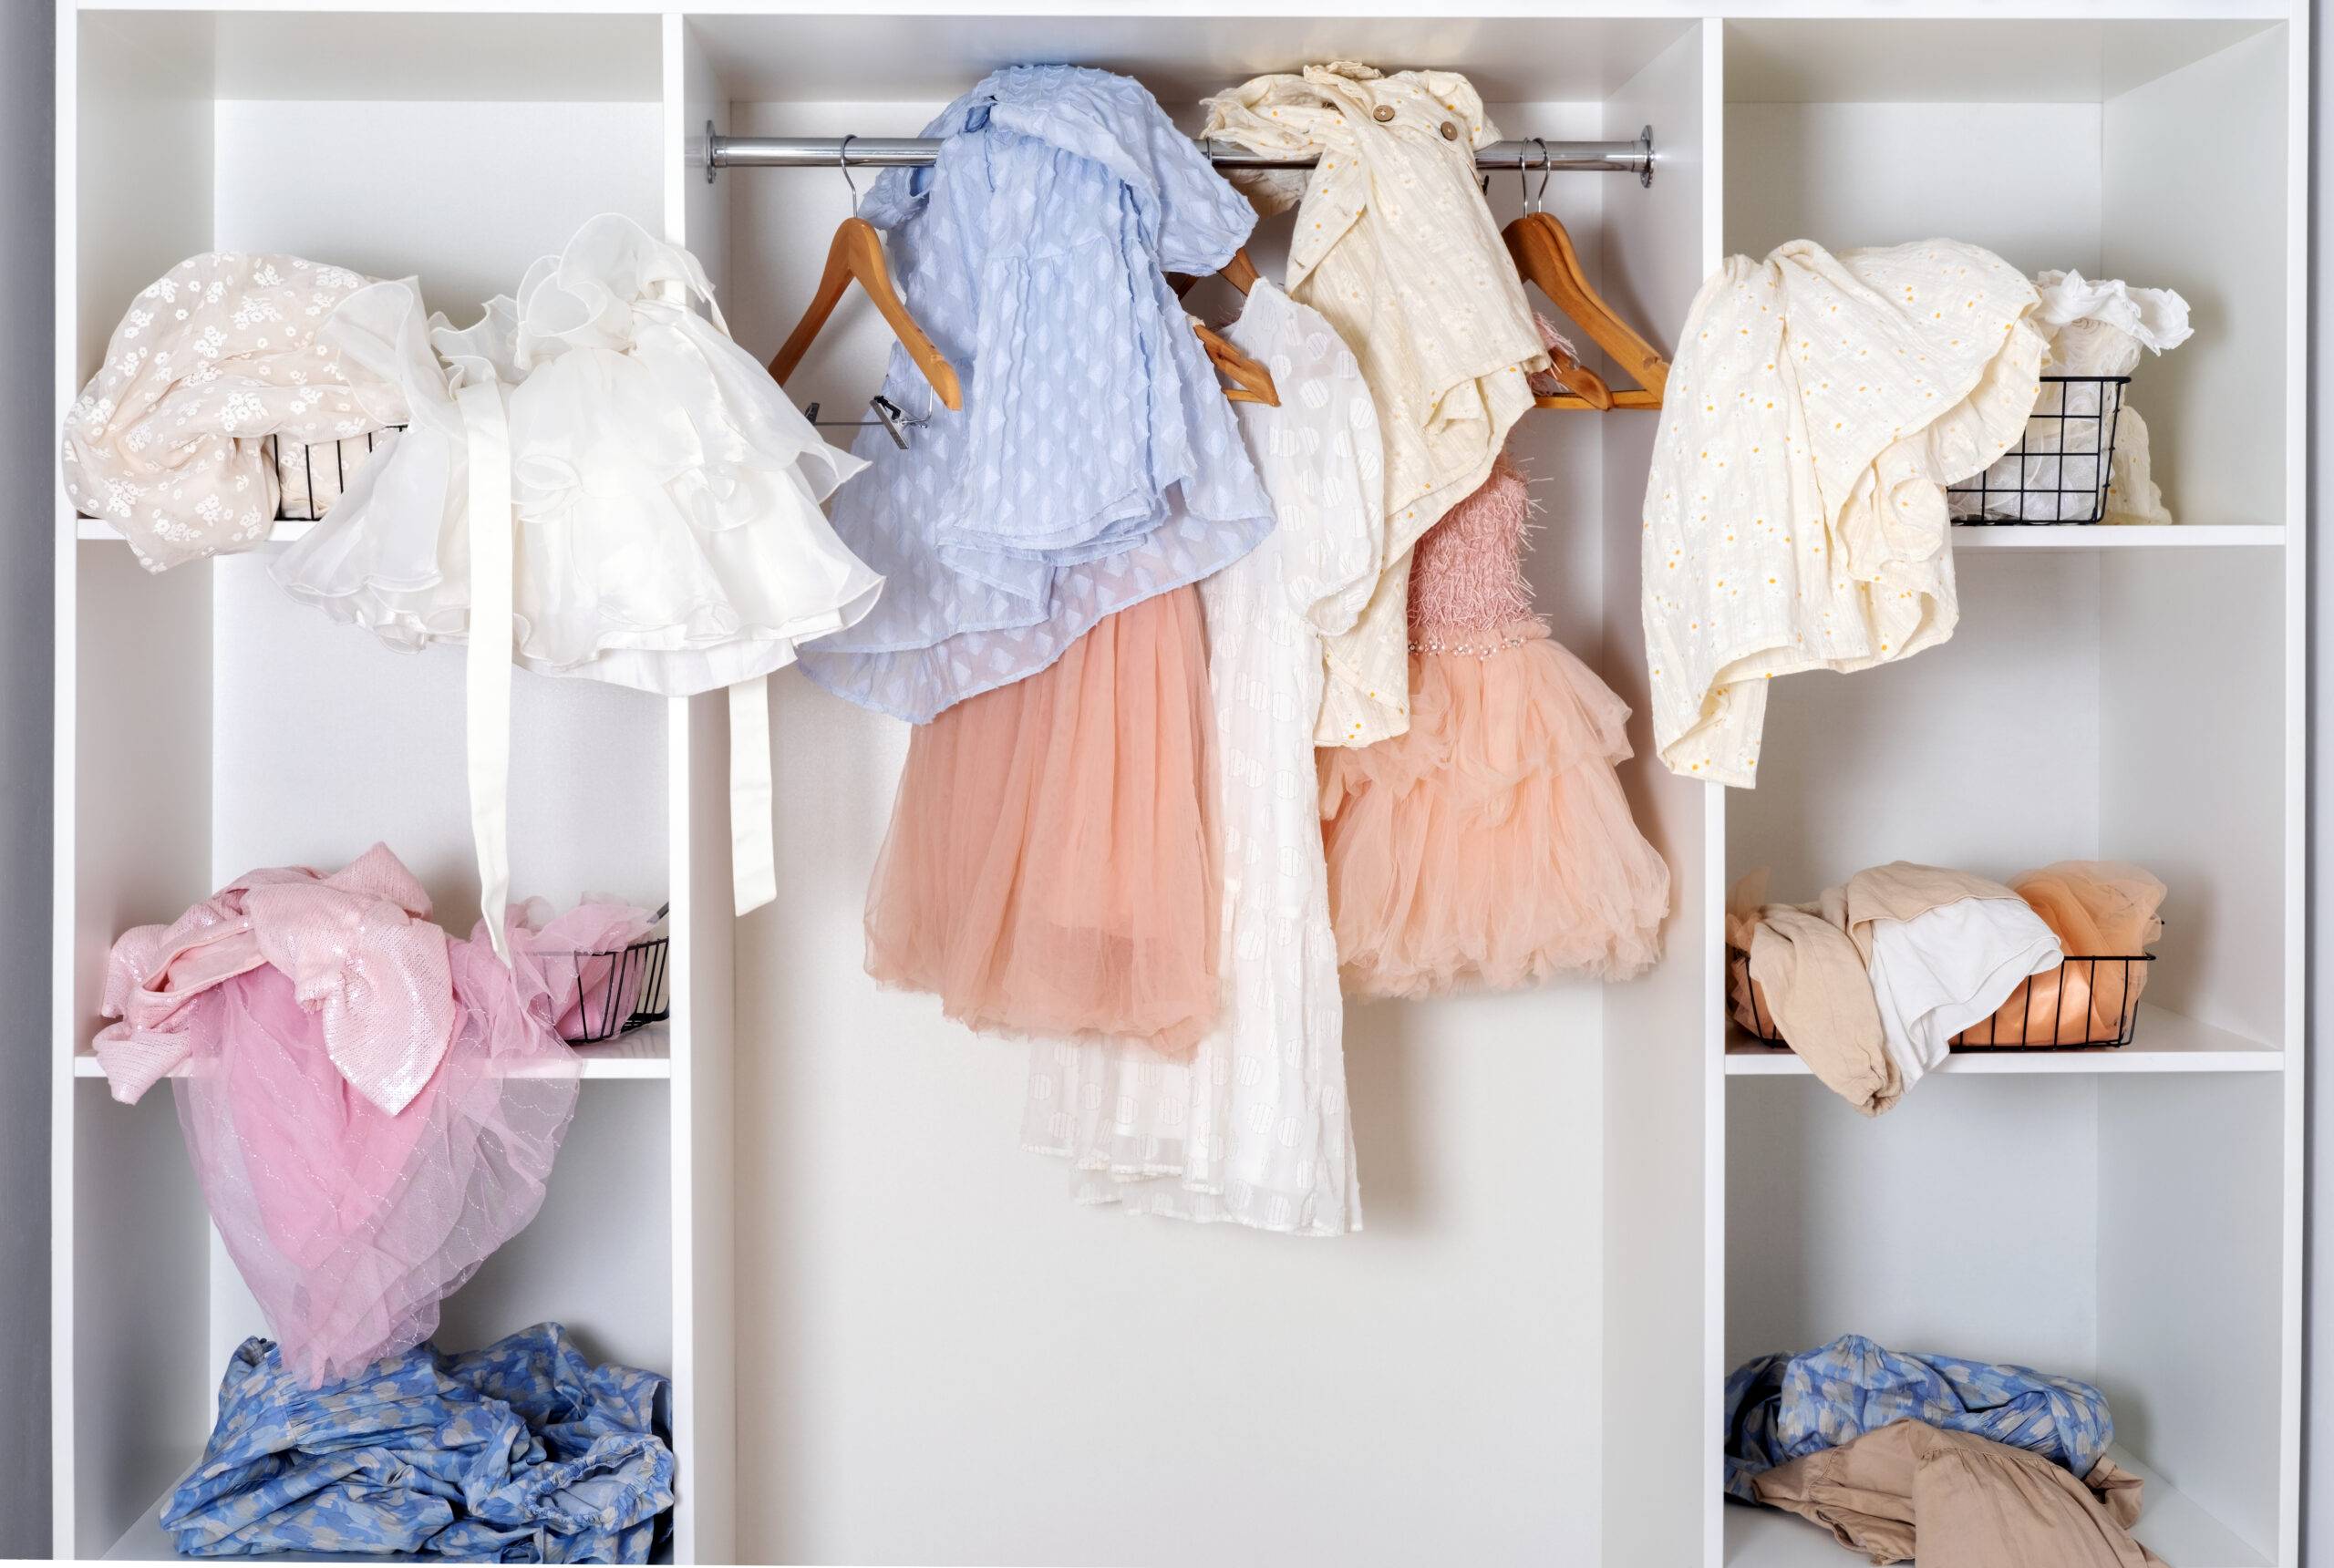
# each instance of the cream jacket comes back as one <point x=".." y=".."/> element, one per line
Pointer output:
<point x="1395" y="246"/>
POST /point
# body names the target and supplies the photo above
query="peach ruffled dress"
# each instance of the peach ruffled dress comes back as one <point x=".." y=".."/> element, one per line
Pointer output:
<point x="1490" y="845"/>
<point x="1051" y="867"/>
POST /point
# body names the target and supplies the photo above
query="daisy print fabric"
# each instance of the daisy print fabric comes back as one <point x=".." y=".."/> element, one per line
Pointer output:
<point x="1795" y="515"/>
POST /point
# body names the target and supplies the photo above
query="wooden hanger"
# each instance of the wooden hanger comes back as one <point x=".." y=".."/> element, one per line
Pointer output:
<point x="1251" y="382"/>
<point x="857" y="255"/>
<point x="1544" y="257"/>
<point x="1239" y="272"/>
<point x="1578" y="381"/>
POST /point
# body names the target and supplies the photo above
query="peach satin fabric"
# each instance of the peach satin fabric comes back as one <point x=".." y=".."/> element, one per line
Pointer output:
<point x="2101" y="907"/>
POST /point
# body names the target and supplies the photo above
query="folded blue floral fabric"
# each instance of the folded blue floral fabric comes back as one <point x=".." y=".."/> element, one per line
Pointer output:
<point x="521" y="1452"/>
<point x="1782" y="1408"/>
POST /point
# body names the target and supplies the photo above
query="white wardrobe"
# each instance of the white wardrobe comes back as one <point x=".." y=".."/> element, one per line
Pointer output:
<point x="893" y="1337"/>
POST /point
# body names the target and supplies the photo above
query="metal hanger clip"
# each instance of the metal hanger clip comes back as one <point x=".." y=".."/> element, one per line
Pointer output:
<point x="888" y="413"/>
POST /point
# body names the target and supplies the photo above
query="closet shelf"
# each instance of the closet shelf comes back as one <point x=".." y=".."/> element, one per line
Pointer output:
<point x="646" y="1053"/>
<point x="2172" y="1525"/>
<point x="90" y="529"/>
<point x="2080" y="536"/>
<point x="2162" y="1043"/>
<point x="146" y="1541"/>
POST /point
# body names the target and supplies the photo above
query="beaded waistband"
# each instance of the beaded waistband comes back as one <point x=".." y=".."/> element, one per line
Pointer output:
<point x="1483" y="644"/>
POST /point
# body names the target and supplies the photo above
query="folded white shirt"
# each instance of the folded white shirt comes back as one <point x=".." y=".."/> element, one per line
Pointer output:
<point x="1936" y="975"/>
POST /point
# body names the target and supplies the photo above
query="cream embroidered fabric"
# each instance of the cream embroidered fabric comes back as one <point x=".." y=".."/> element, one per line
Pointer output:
<point x="1795" y="515"/>
<point x="169" y="441"/>
<point x="1396" y="248"/>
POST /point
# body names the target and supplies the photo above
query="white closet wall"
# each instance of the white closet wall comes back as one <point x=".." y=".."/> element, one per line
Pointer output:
<point x="893" y="1335"/>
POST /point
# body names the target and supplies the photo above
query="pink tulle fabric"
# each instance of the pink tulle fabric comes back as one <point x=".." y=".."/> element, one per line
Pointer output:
<point x="1051" y="866"/>
<point x="578" y="955"/>
<point x="1490" y="845"/>
<point x="385" y="1022"/>
<point x="351" y="1222"/>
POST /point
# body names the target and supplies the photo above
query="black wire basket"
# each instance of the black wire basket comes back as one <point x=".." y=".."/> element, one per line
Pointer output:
<point x="619" y="990"/>
<point x="316" y="463"/>
<point x="2058" y="471"/>
<point x="2069" y="1009"/>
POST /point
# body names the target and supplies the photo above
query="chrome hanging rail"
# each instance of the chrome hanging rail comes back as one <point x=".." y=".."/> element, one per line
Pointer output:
<point x="896" y="151"/>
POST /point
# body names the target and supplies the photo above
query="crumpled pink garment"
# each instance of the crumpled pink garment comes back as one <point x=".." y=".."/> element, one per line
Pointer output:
<point x="580" y="956"/>
<point x="358" y="946"/>
<point x="351" y="1222"/>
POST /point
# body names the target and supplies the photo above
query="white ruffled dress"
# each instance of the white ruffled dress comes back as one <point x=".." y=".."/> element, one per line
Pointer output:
<point x="604" y="469"/>
<point x="665" y="492"/>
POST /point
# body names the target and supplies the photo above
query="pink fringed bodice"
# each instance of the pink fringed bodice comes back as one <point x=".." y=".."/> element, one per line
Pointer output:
<point x="1468" y="593"/>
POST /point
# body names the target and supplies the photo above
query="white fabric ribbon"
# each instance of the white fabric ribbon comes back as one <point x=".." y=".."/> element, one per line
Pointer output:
<point x="753" y="848"/>
<point x="753" y="845"/>
<point x="487" y="434"/>
<point x="486" y="429"/>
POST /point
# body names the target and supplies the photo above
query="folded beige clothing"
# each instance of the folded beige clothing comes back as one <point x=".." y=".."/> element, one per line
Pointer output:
<point x="1805" y="969"/>
<point x="1810" y="967"/>
<point x="1963" y="1502"/>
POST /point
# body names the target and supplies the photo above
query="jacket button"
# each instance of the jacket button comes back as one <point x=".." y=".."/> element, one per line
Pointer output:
<point x="1449" y="131"/>
<point x="1382" y="113"/>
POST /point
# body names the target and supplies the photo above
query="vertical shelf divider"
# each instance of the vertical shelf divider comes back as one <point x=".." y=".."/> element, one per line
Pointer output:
<point x="703" y="1084"/>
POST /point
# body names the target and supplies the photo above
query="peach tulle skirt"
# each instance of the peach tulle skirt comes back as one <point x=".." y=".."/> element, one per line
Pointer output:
<point x="1052" y="868"/>
<point x="1491" y="844"/>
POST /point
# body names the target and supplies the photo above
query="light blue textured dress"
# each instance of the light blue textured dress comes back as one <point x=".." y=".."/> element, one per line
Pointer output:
<point x="1096" y="461"/>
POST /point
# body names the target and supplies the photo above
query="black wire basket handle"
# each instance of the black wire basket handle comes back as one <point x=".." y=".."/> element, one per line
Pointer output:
<point x="630" y="994"/>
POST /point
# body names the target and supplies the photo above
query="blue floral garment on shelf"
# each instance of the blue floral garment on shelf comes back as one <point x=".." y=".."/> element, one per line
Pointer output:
<point x="521" y="1452"/>
<point x="1096" y="461"/>
<point x="1782" y="1408"/>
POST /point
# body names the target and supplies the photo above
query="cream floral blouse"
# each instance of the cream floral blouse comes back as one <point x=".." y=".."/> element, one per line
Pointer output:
<point x="1795" y="515"/>
<point x="1396" y="248"/>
